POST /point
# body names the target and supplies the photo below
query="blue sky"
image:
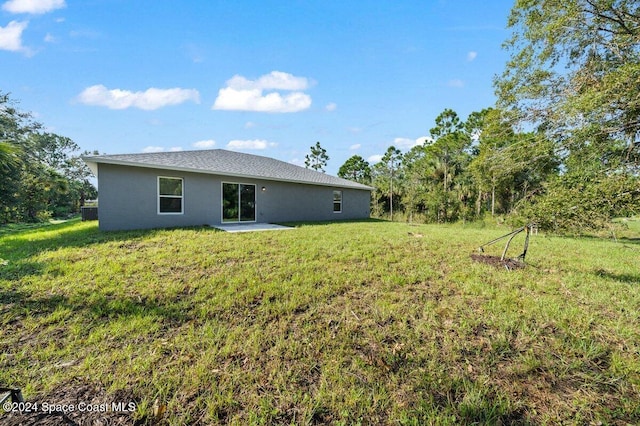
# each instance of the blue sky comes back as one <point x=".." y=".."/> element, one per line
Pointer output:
<point x="269" y="77"/>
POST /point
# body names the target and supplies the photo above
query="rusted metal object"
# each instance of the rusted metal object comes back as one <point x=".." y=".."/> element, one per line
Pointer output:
<point x="508" y="263"/>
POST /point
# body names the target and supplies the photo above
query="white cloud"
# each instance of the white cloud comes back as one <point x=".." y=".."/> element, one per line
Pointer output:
<point x="276" y="80"/>
<point x="331" y="106"/>
<point x="148" y="100"/>
<point x="297" y="162"/>
<point x="355" y="146"/>
<point x="175" y="149"/>
<point x="49" y="38"/>
<point x="354" y="129"/>
<point x="242" y="94"/>
<point x="253" y="100"/>
<point x="249" y="125"/>
<point x="209" y="143"/>
<point x="11" y="36"/>
<point x="471" y="56"/>
<point x="35" y="7"/>
<point x="374" y="159"/>
<point x="406" y="143"/>
<point x="456" y="82"/>
<point x="403" y="143"/>
<point x="152" y="149"/>
<point x="424" y="140"/>
<point x="250" y="144"/>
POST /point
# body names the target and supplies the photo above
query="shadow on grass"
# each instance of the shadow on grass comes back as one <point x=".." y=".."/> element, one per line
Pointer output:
<point x="18" y="246"/>
<point x="622" y="240"/>
<point x="14" y="304"/>
<point x="629" y="240"/>
<point x="624" y="278"/>
<point x="332" y="222"/>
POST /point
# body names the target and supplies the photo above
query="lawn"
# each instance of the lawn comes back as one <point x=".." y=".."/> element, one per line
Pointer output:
<point x="343" y="323"/>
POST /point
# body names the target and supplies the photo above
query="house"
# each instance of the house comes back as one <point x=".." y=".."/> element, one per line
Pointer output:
<point x="213" y="187"/>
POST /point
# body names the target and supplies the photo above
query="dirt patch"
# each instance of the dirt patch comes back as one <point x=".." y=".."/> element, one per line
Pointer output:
<point x="76" y="403"/>
<point x="496" y="261"/>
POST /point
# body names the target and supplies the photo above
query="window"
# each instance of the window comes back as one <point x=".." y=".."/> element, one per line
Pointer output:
<point x="170" y="195"/>
<point x="238" y="202"/>
<point x="337" y="201"/>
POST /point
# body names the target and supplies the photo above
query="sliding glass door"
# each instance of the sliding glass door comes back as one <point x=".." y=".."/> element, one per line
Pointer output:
<point x="238" y="202"/>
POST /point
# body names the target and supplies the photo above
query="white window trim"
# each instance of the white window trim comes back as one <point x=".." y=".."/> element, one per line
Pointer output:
<point x="255" y="185"/>
<point x="170" y="196"/>
<point x="334" y="201"/>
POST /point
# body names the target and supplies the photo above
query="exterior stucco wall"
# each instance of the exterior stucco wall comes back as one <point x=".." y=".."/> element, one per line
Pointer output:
<point x="129" y="199"/>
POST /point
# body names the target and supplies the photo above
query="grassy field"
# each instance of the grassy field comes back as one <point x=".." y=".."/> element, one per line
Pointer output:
<point x="343" y="323"/>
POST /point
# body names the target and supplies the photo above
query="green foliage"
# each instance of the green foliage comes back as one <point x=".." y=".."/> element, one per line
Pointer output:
<point x="318" y="158"/>
<point x="470" y="167"/>
<point x="386" y="180"/>
<point x="356" y="169"/>
<point x="39" y="176"/>
<point x="574" y="67"/>
<point x="579" y="203"/>
<point x="449" y="149"/>
<point x="573" y="76"/>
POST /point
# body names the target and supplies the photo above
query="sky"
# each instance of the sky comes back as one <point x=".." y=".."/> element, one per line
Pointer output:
<point x="264" y="77"/>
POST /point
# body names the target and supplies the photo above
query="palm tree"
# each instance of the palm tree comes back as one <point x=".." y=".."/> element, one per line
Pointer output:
<point x="8" y="157"/>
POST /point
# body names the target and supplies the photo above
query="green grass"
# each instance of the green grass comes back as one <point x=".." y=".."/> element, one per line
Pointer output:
<point x="343" y="323"/>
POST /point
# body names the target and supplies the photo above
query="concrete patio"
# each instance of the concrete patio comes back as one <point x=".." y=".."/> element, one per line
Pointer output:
<point x="251" y="227"/>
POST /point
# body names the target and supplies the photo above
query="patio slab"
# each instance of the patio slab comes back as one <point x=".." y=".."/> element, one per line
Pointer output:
<point x="252" y="227"/>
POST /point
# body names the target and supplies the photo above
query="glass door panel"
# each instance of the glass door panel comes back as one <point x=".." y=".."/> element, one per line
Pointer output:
<point x="230" y="205"/>
<point x="247" y="203"/>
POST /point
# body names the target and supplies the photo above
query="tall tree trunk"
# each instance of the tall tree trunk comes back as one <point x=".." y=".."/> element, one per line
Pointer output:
<point x="391" y="196"/>
<point x="493" y="199"/>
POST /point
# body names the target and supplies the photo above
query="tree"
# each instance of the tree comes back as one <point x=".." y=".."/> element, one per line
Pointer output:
<point x="417" y="170"/>
<point x="9" y="175"/>
<point x="576" y="203"/>
<point x="318" y="158"/>
<point x="39" y="176"/>
<point x="356" y="169"/>
<point x="38" y="192"/>
<point x="52" y="150"/>
<point x="78" y="173"/>
<point x="386" y="172"/>
<point x="574" y="72"/>
<point x="449" y="144"/>
<point x="573" y="77"/>
<point x="450" y="150"/>
<point x="15" y="128"/>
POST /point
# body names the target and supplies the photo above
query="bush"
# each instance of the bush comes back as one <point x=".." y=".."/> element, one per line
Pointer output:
<point x="576" y="204"/>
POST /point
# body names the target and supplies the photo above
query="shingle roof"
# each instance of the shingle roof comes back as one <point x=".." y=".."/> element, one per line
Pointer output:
<point x="226" y="163"/>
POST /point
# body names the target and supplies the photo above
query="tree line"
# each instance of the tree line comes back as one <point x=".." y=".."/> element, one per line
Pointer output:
<point x="480" y="166"/>
<point x="41" y="175"/>
<point x="561" y="147"/>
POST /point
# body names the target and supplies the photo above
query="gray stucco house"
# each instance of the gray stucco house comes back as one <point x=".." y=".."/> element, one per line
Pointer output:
<point x="213" y="187"/>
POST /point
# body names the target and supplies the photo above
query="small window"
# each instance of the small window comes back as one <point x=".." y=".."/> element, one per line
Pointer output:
<point x="170" y="195"/>
<point x="337" y="201"/>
